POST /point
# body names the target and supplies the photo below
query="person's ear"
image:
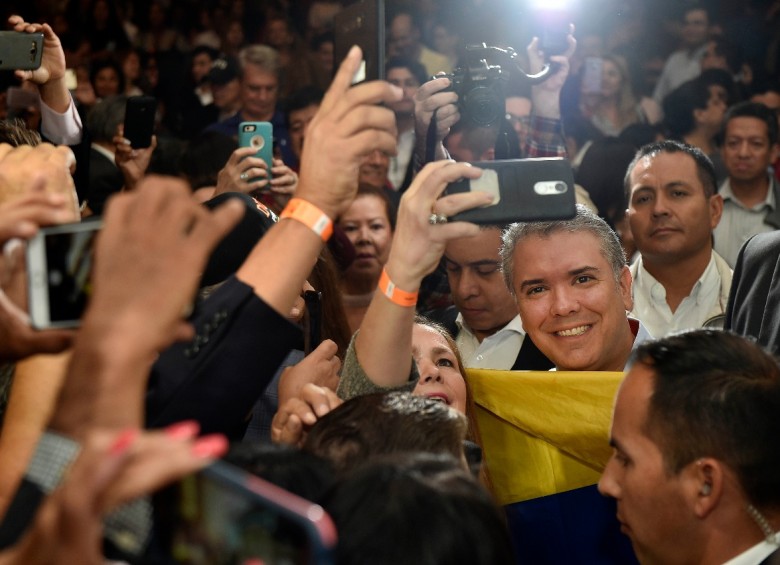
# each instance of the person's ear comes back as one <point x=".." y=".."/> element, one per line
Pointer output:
<point x="703" y="484"/>
<point x="716" y="210"/>
<point x="624" y="283"/>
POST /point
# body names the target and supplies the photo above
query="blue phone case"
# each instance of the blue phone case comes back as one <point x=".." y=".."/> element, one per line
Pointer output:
<point x="259" y="135"/>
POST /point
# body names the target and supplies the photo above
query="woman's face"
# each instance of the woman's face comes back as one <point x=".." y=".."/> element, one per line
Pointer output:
<point x="611" y="79"/>
<point x="106" y="82"/>
<point x="440" y="376"/>
<point x="368" y="228"/>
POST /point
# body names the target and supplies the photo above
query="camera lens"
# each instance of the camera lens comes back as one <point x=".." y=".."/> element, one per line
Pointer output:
<point x="560" y="187"/>
<point x="483" y="106"/>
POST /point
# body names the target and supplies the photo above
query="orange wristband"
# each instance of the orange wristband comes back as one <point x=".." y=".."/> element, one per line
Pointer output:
<point x="395" y="294"/>
<point x="309" y="215"/>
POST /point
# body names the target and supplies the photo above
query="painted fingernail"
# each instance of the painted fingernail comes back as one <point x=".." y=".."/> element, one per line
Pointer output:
<point x="123" y="442"/>
<point x="183" y="430"/>
<point x="210" y="447"/>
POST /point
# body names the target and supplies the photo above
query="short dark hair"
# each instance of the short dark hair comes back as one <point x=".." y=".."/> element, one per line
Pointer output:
<point x="716" y="394"/>
<point x="302" y="98"/>
<point x="753" y="110"/>
<point x="420" y="508"/>
<point x="207" y="49"/>
<point x="704" y="169"/>
<point x="365" y="189"/>
<point x="417" y="70"/>
<point x="383" y="423"/>
<point x="679" y="106"/>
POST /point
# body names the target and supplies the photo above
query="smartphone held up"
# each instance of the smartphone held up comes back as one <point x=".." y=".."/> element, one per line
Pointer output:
<point x="59" y="266"/>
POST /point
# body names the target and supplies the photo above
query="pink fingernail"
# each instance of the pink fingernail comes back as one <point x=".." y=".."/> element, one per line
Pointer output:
<point x="123" y="442"/>
<point x="187" y="429"/>
<point x="210" y="447"/>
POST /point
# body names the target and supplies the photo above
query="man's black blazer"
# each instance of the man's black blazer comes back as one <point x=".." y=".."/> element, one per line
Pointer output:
<point x="754" y="302"/>
<point x="218" y="376"/>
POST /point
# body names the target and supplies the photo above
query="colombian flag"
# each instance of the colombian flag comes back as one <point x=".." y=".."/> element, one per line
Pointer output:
<point x="545" y="441"/>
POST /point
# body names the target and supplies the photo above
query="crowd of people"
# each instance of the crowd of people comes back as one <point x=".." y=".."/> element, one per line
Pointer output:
<point x="313" y="319"/>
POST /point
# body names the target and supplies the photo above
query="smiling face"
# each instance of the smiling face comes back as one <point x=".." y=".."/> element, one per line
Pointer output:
<point x="368" y="228"/>
<point x="478" y="289"/>
<point x="651" y="503"/>
<point x="440" y="376"/>
<point x="671" y="217"/>
<point x="570" y="303"/>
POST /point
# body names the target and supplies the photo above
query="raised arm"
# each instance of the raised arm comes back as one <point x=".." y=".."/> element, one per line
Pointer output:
<point x="350" y="124"/>
<point x="384" y="344"/>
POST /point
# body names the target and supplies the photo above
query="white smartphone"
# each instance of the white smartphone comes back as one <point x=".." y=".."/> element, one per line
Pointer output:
<point x="59" y="265"/>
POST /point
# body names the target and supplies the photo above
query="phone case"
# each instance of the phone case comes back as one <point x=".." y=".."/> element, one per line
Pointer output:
<point x="528" y="190"/>
<point x="139" y="120"/>
<point x="259" y="135"/>
<point x="234" y="513"/>
<point x="362" y="24"/>
<point x="20" y="50"/>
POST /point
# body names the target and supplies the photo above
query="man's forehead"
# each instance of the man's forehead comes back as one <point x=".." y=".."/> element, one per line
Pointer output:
<point x="659" y="163"/>
<point x="484" y="246"/>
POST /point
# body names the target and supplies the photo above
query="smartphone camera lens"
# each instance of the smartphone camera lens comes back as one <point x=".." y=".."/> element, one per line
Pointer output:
<point x="560" y="187"/>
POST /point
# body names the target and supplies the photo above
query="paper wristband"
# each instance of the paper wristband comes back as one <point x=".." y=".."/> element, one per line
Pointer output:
<point x="309" y="215"/>
<point x="395" y="294"/>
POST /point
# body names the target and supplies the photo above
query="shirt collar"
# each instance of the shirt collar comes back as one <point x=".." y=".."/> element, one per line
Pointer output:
<point x="728" y="194"/>
<point x="708" y="282"/>
<point x="514" y="325"/>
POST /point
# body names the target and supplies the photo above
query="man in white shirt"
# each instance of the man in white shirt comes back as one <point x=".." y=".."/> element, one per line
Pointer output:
<point x="750" y="193"/>
<point x="679" y="282"/>
<point x="489" y="332"/>
<point x="685" y="64"/>
<point x="694" y="468"/>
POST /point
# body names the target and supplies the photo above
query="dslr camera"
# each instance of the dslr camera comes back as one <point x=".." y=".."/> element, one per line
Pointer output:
<point x="480" y="87"/>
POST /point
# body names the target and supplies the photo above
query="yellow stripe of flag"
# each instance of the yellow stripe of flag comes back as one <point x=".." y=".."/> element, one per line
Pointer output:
<point x="542" y="432"/>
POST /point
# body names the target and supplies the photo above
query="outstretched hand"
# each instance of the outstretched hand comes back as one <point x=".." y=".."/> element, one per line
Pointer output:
<point x="417" y="244"/>
<point x="349" y="125"/>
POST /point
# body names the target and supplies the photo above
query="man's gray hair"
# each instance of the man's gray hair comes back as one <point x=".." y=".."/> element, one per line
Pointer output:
<point x="265" y="57"/>
<point x="585" y="220"/>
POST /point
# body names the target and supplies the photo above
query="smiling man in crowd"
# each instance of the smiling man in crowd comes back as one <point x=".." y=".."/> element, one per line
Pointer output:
<point x="572" y="289"/>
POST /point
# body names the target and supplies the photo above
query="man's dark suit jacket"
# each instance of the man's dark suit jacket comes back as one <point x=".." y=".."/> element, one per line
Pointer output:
<point x="754" y="301"/>
<point x="528" y="359"/>
<point x="105" y="179"/>
<point x="218" y="376"/>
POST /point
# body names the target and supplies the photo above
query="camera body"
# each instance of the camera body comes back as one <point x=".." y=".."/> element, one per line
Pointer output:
<point x="480" y="87"/>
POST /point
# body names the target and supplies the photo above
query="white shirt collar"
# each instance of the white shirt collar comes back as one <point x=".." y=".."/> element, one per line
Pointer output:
<point x="755" y="554"/>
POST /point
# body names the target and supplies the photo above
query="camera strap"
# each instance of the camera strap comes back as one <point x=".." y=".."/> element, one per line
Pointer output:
<point x="430" y="140"/>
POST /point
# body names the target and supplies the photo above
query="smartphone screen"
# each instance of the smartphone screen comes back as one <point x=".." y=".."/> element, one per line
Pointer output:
<point x="59" y="266"/>
<point x="591" y="77"/>
<point x="223" y="516"/>
<point x="363" y="24"/>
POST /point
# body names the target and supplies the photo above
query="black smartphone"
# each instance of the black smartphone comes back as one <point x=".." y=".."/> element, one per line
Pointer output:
<point x="59" y="268"/>
<point x="362" y="24"/>
<point x="552" y="25"/>
<point x="19" y="50"/>
<point x="523" y="190"/>
<point x="224" y="516"/>
<point x="139" y="120"/>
